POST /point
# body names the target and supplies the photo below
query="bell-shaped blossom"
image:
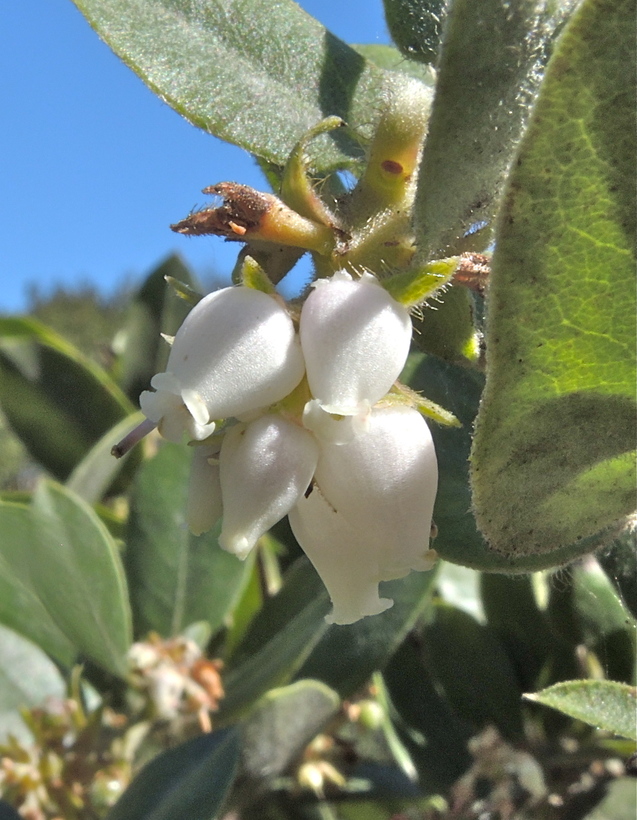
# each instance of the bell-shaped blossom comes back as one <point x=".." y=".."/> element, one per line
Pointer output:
<point x="236" y="351"/>
<point x="355" y="339"/>
<point x="265" y="467"/>
<point x="204" y="490"/>
<point x="368" y="518"/>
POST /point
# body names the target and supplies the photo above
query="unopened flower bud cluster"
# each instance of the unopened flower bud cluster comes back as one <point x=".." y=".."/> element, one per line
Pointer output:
<point x="309" y="431"/>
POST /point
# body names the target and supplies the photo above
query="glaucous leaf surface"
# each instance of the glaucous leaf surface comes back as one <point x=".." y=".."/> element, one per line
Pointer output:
<point x="189" y="782"/>
<point x="255" y="73"/>
<point x="602" y="703"/>
<point x="283" y="723"/>
<point x="50" y="393"/>
<point x="27" y="678"/>
<point x="489" y="69"/>
<point x="552" y="459"/>
<point x="20" y="605"/>
<point x="77" y="574"/>
<point x="175" y="577"/>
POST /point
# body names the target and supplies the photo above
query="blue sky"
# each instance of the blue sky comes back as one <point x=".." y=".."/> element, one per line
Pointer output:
<point x="94" y="166"/>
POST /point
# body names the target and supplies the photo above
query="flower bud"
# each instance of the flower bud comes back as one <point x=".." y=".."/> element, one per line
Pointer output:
<point x="235" y="352"/>
<point x="368" y="518"/>
<point x="355" y="341"/>
<point x="265" y="467"/>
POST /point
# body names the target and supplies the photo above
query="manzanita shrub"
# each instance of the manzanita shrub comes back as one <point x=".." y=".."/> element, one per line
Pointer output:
<point x="356" y="540"/>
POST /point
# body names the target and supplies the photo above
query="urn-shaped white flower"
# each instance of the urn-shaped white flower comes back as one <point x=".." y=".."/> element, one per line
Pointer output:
<point x="265" y="467"/>
<point x="236" y="351"/>
<point x="355" y="339"/>
<point x="368" y="518"/>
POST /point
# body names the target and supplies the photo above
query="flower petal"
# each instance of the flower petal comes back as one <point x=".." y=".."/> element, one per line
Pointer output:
<point x="369" y="517"/>
<point x="355" y="339"/>
<point x="266" y="467"/>
<point x="237" y="351"/>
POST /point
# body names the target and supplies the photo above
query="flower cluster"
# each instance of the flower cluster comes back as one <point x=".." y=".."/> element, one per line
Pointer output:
<point x="310" y="430"/>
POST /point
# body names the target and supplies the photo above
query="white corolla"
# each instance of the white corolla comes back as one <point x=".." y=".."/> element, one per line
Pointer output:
<point x="355" y="472"/>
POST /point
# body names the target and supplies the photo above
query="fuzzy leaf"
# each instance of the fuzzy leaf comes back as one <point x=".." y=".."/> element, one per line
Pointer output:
<point x="602" y="703"/>
<point x="489" y="70"/>
<point x="416" y="26"/>
<point x="552" y="460"/>
<point x="255" y="73"/>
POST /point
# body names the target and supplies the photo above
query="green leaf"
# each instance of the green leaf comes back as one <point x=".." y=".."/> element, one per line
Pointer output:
<point x="279" y="639"/>
<point x="620" y="563"/>
<point x="552" y="460"/>
<point x="488" y="73"/>
<point x="416" y="26"/>
<point x="27" y="679"/>
<point x="20" y="606"/>
<point x="391" y="59"/>
<point x="57" y="401"/>
<point x="586" y="610"/>
<point x="434" y="735"/>
<point x="254" y="73"/>
<point x="189" y="782"/>
<point x="513" y="613"/>
<point x="466" y="658"/>
<point x="156" y="308"/>
<point x="175" y="577"/>
<point x="458" y="389"/>
<point x="77" y="574"/>
<point x="283" y="723"/>
<point x="602" y="703"/>
<point x="346" y="656"/>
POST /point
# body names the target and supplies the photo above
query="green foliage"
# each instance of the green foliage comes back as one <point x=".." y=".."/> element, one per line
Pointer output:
<point x="27" y="678"/>
<point x="49" y="390"/>
<point x="301" y="710"/>
<point x="186" y="783"/>
<point x="176" y="578"/>
<point x="560" y="331"/>
<point x="276" y="71"/>
<point x="605" y="704"/>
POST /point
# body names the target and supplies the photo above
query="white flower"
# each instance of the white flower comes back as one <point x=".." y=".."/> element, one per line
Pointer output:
<point x="265" y="467"/>
<point x="355" y="339"/>
<point x="368" y="518"/>
<point x="236" y="351"/>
